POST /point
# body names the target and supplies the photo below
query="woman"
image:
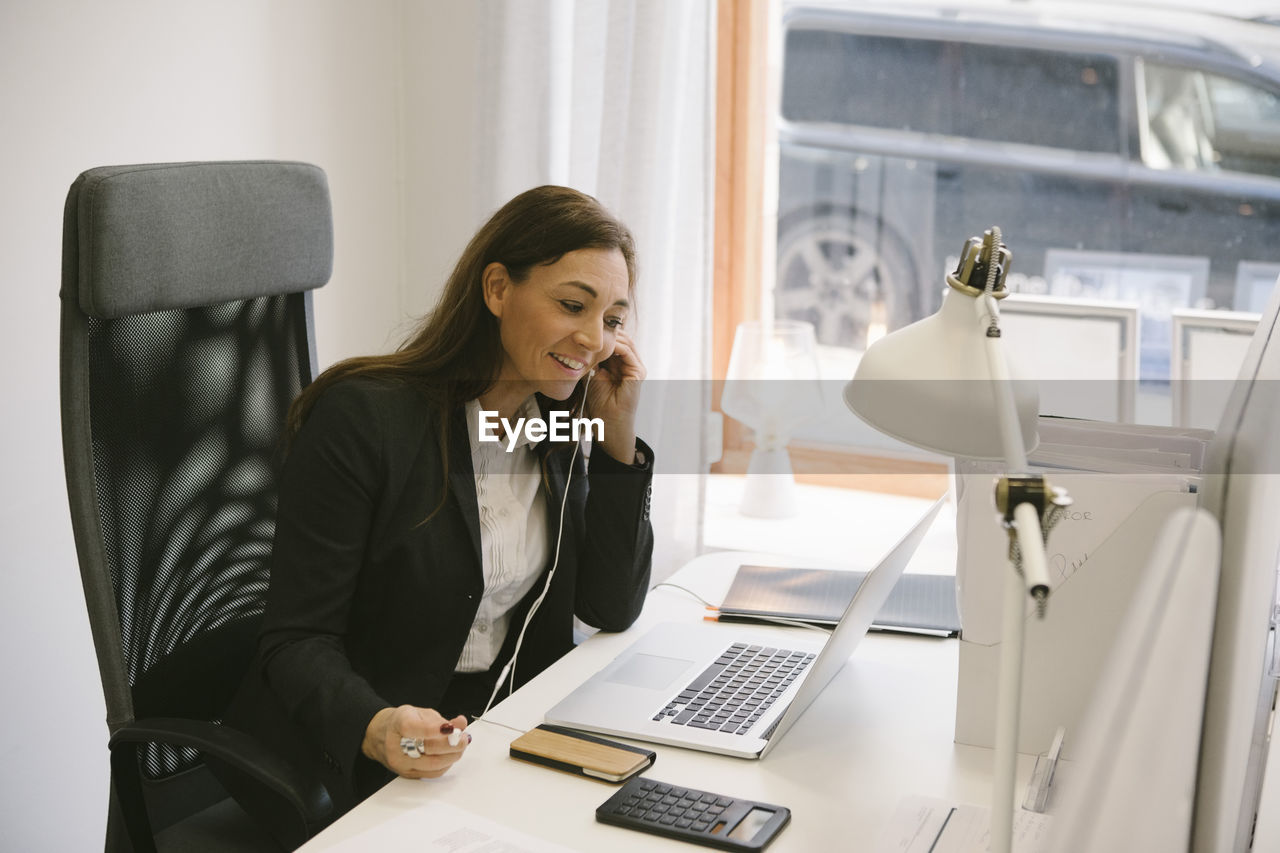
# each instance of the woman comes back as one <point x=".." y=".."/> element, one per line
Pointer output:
<point x="409" y="553"/>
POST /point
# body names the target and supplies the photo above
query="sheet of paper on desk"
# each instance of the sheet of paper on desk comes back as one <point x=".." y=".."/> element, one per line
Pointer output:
<point x="440" y="828"/>
<point x="926" y="825"/>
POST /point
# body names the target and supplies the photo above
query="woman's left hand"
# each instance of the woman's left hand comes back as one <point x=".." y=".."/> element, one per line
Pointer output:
<point x="613" y="395"/>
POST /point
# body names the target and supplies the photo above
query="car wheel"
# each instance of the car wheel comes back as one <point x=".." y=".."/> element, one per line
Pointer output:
<point x="833" y="267"/>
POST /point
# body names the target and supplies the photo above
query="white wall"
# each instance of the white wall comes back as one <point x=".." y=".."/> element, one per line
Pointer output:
<point x="376" y="93"/>
<point x="441" y="49"/>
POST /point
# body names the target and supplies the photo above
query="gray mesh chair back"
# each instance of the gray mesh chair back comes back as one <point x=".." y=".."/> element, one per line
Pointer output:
<point x="186" y="333"/>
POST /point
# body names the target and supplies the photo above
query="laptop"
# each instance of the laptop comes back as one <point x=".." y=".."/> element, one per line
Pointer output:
<point x="727" y="689"/>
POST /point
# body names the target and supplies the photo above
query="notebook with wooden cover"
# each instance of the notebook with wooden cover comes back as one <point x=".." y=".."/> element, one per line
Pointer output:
<point x="583" y="754"/>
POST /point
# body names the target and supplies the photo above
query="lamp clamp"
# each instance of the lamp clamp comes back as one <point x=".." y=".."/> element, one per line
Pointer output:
<point x="970" y="275"/>
<point x="1015" y="489"/>
<point x="1049" y="503"/>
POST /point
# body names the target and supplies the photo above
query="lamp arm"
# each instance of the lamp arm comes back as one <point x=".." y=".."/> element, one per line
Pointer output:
<point x="1035" y="577"/>
<point x="1015" y="451"/>
<point x="1035" y="569"/>
<point x="1035" y="565"/>
<point x="1008" y="713"/>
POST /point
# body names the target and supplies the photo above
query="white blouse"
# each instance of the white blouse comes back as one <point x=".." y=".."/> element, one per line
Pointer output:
<point x="513" y="533"/>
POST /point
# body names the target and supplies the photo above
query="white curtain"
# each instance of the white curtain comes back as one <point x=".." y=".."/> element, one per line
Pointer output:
<point x="615" y="98"/>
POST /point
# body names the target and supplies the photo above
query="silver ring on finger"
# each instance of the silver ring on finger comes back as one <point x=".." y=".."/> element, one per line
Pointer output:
<point x="412" y="747"/>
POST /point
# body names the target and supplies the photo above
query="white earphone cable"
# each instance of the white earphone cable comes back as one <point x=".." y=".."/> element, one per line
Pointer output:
<point x="509" y="669"/>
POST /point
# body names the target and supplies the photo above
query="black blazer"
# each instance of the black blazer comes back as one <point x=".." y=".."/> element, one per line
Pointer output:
<point x="369" y="606"/>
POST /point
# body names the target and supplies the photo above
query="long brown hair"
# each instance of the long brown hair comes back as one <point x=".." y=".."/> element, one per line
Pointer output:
<point x="456" y="353"/>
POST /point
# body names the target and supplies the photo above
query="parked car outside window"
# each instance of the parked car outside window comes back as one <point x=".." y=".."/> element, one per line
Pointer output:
<point x="1127" y="154"/>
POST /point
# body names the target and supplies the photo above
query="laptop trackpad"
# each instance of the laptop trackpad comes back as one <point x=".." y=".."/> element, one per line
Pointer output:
<point x="649" y="671"/>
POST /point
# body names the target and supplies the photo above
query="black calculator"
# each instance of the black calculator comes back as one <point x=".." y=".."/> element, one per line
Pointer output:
<point x="702" y="817"/>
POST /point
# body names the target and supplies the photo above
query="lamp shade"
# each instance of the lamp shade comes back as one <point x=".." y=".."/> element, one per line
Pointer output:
<point x="930" y="385"/>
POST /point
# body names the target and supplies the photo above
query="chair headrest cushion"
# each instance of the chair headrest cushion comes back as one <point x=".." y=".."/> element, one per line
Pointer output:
<point x="180" y="235"/>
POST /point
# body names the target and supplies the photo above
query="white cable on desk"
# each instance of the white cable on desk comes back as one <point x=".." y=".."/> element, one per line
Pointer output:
<point x="781" y="620"/>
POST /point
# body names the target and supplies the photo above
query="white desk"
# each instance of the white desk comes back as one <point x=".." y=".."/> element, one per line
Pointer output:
<point x="818" y="535"/>
<point x="880" y="731"/>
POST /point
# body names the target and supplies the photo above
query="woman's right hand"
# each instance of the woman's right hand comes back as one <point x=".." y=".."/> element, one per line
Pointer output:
<point x="382" y="741"/>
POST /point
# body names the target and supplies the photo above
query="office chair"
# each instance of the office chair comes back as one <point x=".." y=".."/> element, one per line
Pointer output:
<point x="186" y="332"/>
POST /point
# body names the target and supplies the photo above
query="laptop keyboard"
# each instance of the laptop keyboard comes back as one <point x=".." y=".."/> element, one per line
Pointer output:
<point x="736" y="690"/>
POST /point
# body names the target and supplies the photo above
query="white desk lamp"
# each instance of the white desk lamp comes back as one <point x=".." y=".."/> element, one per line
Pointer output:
<point x="943" y="384"/>
<point x="772" y="386"/>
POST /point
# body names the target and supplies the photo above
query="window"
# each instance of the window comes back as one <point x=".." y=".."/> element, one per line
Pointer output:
<point x="851" y="79"/>
<point x="980" y="91"/>
<point x="896" y="147"/>
<point x="743" y="228"/>
<point x="1056" y="99"/>
<point x="1116" y="176"/>
<point x="1205" y="122"/>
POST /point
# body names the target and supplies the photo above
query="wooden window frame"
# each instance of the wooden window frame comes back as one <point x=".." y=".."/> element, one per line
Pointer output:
<point x="744" y="233"/>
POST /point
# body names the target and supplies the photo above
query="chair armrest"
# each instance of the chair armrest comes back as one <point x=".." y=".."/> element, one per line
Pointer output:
<point x="307" y="807"/>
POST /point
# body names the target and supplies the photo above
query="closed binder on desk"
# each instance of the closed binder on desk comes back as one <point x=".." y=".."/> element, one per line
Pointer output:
<point x="925" y="603"/>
